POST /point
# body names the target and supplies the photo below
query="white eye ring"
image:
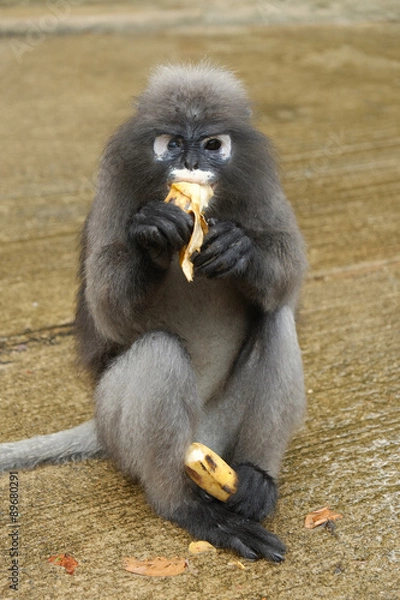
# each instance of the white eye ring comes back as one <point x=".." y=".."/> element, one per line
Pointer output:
<point x="160" y="146"/>
<point x="225" y="150"/>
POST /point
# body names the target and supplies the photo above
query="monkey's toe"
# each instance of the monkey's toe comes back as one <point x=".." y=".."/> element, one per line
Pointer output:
<point x="214" y="522"/>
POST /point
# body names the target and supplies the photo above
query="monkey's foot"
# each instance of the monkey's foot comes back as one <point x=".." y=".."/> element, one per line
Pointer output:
<point x="214" y="522"/>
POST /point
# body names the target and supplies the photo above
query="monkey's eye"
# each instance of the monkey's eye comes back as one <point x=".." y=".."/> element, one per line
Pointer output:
<point x="213" y="144"/>
<point x="175" y="143"/>
<point x="163" y="144"/>
<point x="220" y="144"/>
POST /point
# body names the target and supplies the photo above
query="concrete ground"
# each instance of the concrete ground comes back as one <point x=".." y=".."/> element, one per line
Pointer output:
<point x="328" y="95"/>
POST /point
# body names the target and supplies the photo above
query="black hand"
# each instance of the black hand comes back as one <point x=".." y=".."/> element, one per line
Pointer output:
<point x="161" y="228"/>
<point x="226" y="250"/>
<point x="256" y="495"/>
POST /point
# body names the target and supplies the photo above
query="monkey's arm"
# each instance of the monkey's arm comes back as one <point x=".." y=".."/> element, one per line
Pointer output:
<point x="122" y="269"/>
<point x="268" y="263"/>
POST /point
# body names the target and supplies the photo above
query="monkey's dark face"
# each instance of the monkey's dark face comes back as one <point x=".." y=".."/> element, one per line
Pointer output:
<point x="198" y="159"/>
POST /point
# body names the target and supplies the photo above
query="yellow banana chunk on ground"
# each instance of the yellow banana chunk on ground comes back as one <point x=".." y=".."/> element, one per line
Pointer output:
<point x="210" y="472"/>
<point x="192" y="198"/>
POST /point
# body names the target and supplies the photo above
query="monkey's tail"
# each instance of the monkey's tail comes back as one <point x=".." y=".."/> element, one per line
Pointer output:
<point x="78" y="443"/>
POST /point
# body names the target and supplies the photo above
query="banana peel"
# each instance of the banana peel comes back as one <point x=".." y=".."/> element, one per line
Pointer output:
<point x="192" y="198"/>
<point x="206" y="468"/>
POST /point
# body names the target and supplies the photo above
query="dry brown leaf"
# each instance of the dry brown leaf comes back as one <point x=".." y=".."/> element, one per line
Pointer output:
<point x="192" y="198"/>
<point x="156" y="567"/>
<point x="200" y="547"/>
<point x="320" y="517"/>
<point x="64" y="560"/>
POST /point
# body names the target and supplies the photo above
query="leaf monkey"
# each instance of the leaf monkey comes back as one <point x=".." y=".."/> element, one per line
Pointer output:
<point x="215" y="360"/>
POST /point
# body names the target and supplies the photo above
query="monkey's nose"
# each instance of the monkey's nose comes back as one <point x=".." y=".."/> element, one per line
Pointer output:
<point x="191" y="162"/>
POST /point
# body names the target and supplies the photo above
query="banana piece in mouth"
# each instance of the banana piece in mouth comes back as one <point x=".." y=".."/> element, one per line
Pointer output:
<point x="192" y="198"/>
<point x="206" y="468"/>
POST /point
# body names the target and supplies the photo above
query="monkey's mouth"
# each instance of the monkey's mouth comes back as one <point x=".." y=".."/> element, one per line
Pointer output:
<point x="193" y="176"/>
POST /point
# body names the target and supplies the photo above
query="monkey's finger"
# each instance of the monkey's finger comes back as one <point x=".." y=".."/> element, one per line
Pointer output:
<point x="174" y="235"/>
<point x="173" y="213"/>
<point x="224" y="230"/>
<point x="162" y="215"/>
<point x="149" y="237"/>
<point x="214" y="267"/>
<point x="220" y="267"/>
<point x="231" y="246"/>
<point x="151" y="230"/>
<point x="210" y="251"/>
<point x="227" y="244"/>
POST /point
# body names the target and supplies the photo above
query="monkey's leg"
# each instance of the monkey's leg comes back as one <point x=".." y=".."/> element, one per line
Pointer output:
<point x="147" y="408"/>
<point x="274" y="410"/>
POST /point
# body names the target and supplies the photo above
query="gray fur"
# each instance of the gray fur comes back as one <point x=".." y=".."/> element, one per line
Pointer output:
<point x="215" y="360"/>
<point x="71" y="444"/>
